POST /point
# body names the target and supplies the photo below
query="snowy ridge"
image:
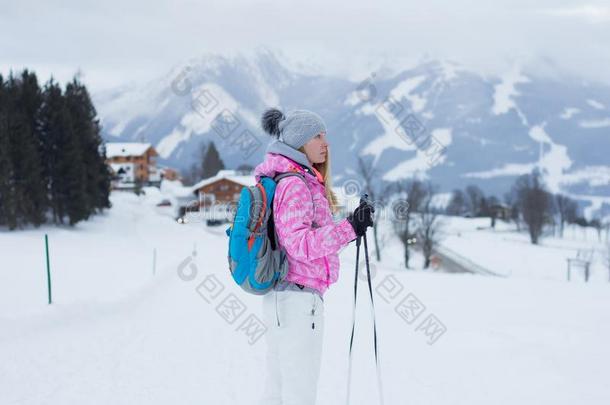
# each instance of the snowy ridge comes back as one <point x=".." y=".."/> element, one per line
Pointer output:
<point x="494" y="129"/>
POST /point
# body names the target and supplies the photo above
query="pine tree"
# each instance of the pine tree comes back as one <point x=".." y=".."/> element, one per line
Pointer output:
<point x="212" y="163"/>
<point x="72" y="167"/>
<point x="34" y="186"/>
<point x="52" y="156"/>
<point x="50" y="135"/>
<point x="23" y="133"/>
<point x="65" y="168"/>
<point x="87" y="129"/>
<point x="7" y="200"/>
<point x="73" y="170"/>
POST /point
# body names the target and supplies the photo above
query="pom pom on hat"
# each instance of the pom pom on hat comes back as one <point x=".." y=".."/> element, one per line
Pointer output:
<point x="271" y="121"/>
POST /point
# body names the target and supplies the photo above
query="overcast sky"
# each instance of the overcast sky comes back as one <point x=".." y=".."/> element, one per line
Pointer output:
<point x="117" y="41"/>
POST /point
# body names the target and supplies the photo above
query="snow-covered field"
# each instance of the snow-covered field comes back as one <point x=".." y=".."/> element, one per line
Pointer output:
<point x="510" y="253"/>
<point x="120" y="333"/>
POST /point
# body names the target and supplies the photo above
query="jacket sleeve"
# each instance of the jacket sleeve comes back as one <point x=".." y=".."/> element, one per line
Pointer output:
<point x="293" y="217"/>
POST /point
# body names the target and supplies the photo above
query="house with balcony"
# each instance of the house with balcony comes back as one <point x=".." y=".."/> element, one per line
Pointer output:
<point x="223" y="188"/>
<point x="133" y="164"/>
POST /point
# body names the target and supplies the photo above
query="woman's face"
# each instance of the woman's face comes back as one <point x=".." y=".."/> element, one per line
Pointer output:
<point x="317" y="148"/>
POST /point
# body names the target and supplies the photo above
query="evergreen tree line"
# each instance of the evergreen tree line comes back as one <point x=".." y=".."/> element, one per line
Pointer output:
<point x="52" y="156"/>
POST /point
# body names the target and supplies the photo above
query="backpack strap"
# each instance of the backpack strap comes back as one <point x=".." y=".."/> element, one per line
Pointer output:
<point x="271" y="228"/>
<point x="295" y="173"/>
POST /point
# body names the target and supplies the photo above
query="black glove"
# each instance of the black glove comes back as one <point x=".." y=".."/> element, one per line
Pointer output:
<point x="361" y="218"/>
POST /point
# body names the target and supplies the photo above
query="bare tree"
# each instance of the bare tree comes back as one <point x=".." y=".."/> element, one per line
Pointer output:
<point x="510" y="199"/>
<point x="410" y="196"/>
<point x="492" y="205"/>
<point x="565" y="208"/>
<point x="458" y="204"/>
<point x="596" y="223"/>
<point x="534" y="203"/>
<point x="378" y="193"/>
<point x="475" y="198"/>
<point x="430" y="225"/>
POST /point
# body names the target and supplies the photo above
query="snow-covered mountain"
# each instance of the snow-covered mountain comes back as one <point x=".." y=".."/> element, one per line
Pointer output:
<point x="470" y="128"/>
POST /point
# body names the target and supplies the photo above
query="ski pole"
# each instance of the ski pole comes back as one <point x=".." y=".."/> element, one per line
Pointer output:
<point x="368" y="276"/>
<point x="363" y="199"/>
<point x="351" y="339"/>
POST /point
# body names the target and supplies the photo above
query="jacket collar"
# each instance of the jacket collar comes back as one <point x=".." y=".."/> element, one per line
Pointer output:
<point x="282" y="158"/>
<point x="297" y="156"/>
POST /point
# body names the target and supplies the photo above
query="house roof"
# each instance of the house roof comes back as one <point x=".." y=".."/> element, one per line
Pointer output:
<point x="116" y="149"/>
<point x="229" y="175"/>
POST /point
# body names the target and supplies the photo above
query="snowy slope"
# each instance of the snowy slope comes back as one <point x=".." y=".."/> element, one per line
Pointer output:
<point x="117" y="333"/>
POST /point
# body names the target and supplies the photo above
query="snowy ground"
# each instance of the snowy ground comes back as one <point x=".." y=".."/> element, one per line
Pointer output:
<point x="119" y="333"/>
<point x="510" y="253"/>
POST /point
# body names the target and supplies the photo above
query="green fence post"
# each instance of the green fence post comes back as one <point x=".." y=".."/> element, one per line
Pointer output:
<point x="46" y="244"/>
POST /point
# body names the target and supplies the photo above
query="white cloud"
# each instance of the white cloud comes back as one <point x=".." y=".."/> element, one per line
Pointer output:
<point x="590" y="13"/>
<point x="596" y="104"/>
<point x="569" y="112"/>
<point x="605" y="123"/>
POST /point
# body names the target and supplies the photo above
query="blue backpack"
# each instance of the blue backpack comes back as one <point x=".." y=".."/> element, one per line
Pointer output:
<point x="255" y="261"/>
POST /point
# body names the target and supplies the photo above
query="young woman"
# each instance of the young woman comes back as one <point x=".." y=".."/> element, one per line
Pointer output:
<point x="302" y="213"/>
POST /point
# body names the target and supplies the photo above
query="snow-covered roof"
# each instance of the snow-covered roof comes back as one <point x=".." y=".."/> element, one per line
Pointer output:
<point x="229" y="175"/>
<point x="116" y="149"/>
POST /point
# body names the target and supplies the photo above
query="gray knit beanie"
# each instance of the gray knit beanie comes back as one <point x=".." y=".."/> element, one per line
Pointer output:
<point x="294" y="129"/>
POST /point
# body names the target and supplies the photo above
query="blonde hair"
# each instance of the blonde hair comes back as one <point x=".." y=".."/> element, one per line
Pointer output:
<point x="324" y="169"/>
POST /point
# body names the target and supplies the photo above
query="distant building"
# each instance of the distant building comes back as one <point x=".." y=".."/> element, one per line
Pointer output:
<point x="132" y="163"/>
<point x="168" y="173"/>
<point x="224" y="188"/>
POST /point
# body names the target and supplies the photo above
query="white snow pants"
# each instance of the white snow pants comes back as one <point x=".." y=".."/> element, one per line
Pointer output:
<point x="294" y="348"/>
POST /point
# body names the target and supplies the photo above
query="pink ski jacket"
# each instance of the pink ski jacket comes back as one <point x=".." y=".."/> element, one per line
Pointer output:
<point x="304" y="225"/>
